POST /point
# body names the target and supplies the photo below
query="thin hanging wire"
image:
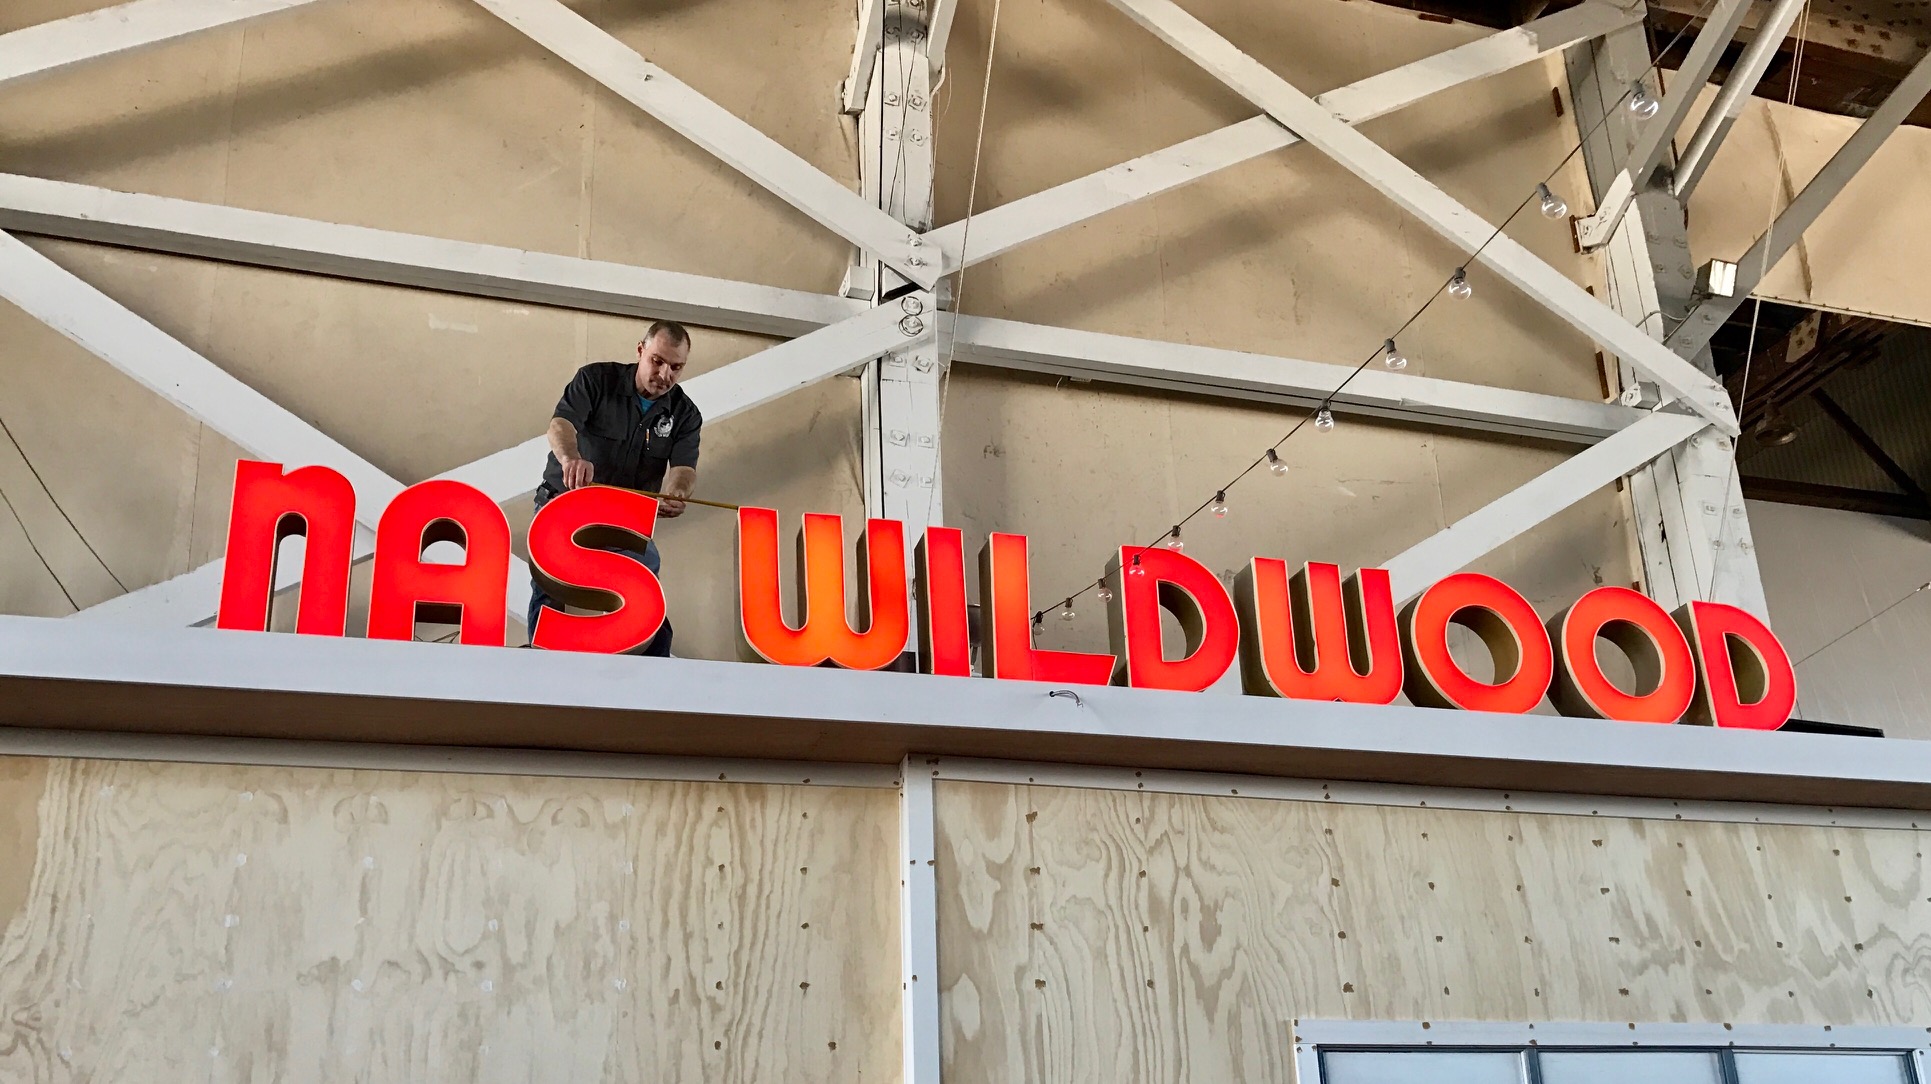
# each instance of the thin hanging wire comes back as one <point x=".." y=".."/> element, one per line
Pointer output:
<point x="1756" y="311"/>
<point x="15" y="513"/>
<point x="1913" y="593"/>
<point x="951" y="338"/>
<point x="55" y="501"/>
<point x="1328" y="401"/>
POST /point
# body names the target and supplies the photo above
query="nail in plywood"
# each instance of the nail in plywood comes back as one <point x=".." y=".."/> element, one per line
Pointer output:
<point x="177" y="922"/>
<point x="1179" y="936"/>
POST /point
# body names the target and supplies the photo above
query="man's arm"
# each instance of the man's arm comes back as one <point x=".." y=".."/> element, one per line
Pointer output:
<point x="678" y="482"/>
<point x="577" y="471"/>
<point x="681" y="479"/>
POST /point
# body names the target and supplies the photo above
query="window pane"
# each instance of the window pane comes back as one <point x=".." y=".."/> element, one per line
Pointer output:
<point x="1421" y="1067"/>
<point x="1822" y="1069"/>
<point x="1623" y="1066"/>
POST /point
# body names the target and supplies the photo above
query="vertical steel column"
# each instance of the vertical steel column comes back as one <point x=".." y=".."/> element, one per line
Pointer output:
<point x="901" y="390"/>
<point x="1687" y="507"/>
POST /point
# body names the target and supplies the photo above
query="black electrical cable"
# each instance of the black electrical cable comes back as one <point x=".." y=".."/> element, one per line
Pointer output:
<point x="55" y="501"/>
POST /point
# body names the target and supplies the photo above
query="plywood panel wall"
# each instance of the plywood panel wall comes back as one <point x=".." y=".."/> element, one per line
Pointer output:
<point x="228" y="923"/>
<point x="1115" y="936"/>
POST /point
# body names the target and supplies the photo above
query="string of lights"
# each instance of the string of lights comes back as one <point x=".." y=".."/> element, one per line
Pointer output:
<point x="1636" y="99"/>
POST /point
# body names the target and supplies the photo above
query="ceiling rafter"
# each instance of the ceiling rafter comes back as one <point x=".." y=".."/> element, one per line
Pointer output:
<point x="64" y="42"/>
<point x="1001" y="229"/>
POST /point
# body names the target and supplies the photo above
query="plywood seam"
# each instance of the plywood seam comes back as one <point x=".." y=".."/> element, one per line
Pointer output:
<point x="459" y="760"/>
<point x="1211" y="784"/>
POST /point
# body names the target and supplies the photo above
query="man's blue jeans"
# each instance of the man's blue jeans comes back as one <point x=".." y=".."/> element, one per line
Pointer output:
<point x="659" y="645"/>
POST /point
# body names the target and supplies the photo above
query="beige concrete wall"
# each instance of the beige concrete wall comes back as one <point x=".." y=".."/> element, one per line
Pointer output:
<point x="429" y="117"/>
<point x="1830" y="576"/>
<point x="433" y="117"/>
<point x="1288" y="254"/>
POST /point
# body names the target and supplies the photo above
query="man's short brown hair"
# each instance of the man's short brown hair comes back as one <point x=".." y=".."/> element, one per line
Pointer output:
<point x="679" y="334"/>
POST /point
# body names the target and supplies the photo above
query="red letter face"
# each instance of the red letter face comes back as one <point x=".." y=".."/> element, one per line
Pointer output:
<point x="1737" y="657"/>
<point x="570" y="543"/>
<point x="1303" y="639"/>
<point x="1005" y="598"/>
<point x="268" y="507"/>
<point x="406" y="589"/>
<point x="826" y="635"/>
<point x="1163" y="578"/>
<point x="945" y="643"/>
<point x="1506" y="623"/>
<point x="1655" y="647"/>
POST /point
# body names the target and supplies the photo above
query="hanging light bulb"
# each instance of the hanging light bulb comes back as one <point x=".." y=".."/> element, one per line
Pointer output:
<point x="1106" y="593"/>
<point x="1324" y="420"/>
<point x="1274" y="464"/>
<point x="1641" y="104"/>
<point x="1219" y="507"/>
<point x="1066" y="610"/>
<point x="1458" y="284"/>
<point x="1136" y="569"/>
<point x="1774" y="430"/>
<point x="1553" y="205"/>
<point x="1392" y="357"/>
<point x="1173" y="541"/>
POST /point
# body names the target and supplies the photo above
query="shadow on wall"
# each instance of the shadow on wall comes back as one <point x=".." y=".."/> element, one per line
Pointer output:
<point x="261" y="105"/>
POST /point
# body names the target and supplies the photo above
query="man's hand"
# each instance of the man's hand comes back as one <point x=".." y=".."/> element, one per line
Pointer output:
<point x="678" y="483"/>
<point x="578" y="472"/>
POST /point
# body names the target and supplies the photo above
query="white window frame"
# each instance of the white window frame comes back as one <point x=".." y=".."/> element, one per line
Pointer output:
<point x="1313" y="1037"/>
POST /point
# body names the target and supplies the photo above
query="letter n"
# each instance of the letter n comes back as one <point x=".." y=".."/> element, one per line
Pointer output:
<point x="271" y="505"/>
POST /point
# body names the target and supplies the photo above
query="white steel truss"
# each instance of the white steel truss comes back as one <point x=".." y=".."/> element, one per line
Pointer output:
<point x="837" y="334"/>
<point x="648" y="87"/>
<point x="1362" y="157"/>
<point x="1652" y="146"/>
<point x="1004" y="228"/>
<point x="188" y="599"/>
<point x="112" y="30"/>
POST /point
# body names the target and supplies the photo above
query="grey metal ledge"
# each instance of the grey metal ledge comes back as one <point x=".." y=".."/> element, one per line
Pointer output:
<point x="73" y="676"/>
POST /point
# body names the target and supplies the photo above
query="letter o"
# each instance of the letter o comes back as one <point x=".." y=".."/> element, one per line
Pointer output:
<point x="1656" y="647"/>
<point x="1508" y="627"/>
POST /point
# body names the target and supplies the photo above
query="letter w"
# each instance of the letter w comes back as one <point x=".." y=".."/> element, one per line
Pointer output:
<point x="1303" y="639"/>
<point x="826" y="634"/>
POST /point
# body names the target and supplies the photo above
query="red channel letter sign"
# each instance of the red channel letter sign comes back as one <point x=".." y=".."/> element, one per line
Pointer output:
<point x="1309" y="634"/>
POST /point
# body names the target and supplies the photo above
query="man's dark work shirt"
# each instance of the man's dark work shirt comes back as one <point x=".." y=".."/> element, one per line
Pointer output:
<point x="627" y="446"/>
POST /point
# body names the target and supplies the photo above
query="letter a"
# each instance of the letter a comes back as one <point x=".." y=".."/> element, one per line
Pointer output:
<point x="406" y="589"/>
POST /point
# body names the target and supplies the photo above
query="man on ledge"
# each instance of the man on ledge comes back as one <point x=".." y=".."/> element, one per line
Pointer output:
<point x="627" y="425"/>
